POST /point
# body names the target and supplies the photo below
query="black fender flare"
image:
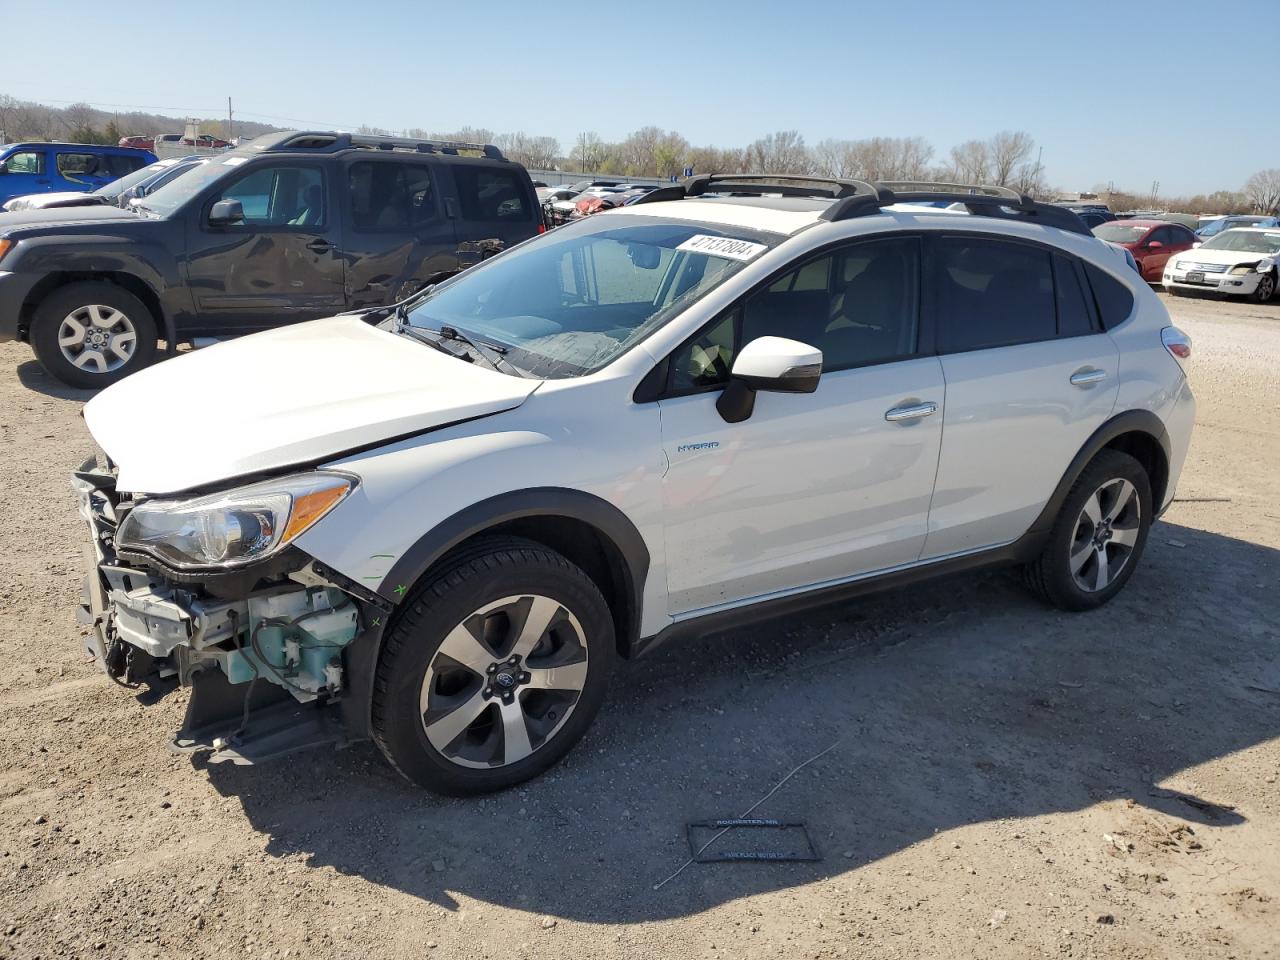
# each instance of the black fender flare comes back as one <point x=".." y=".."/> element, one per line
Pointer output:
<point x="1131" y="421"/>
<point x="607" y="519"/>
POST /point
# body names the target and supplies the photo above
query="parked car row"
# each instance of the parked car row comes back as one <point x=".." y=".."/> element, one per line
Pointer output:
<point x="300" y="226"/>
<point x="118" y="192"/>
<point x="149" y="142"/>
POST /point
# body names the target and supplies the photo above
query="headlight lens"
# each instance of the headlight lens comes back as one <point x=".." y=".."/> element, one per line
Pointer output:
<point x="233" y="528"/>
<point x="1241" y="270"/>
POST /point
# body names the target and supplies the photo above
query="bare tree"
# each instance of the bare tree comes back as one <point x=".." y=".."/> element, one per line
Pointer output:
<point x="1263" y="190"/>
<point x="1007" y="151"/>
<point x="588" y="151"/>
<point x="781" y="152"/>
<point x="970" y="162"/>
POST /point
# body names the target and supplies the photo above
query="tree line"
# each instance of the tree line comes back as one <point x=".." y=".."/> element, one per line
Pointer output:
<point x="82" y="123"/>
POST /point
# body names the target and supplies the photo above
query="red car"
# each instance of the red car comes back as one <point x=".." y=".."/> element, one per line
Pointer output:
<point x="1152" y="242"/>
<point x="139" y="143"/>
<point x="204" y="140"/>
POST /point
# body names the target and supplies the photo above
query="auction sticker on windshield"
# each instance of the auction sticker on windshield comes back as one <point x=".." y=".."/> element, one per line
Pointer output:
<point x="726" y="247"/>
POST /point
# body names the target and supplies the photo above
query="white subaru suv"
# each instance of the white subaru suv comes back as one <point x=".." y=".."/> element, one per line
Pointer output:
<point x="439" y="525"/>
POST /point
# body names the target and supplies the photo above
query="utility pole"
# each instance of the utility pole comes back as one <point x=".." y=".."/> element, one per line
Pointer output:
<point x="231" y="130"/>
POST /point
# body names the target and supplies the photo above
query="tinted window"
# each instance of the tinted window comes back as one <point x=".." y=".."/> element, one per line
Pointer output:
<point x="25" y="162"/>
<point x="1113" y="298"/>
<point x="390" y="196"/>
<point x="992" y="293"/>
<point x="120" y="166"/>
<point x="280" y="196"/>
<point x="73" y="165"/>
<point x="1074" y="316"/>
<point x="491" y="194"/>
<point x="858" y="305"/>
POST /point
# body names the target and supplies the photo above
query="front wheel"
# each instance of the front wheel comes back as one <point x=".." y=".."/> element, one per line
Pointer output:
<point x="92" y="334"/>
<point x="1099" y="535"/>
<point x="493" y="669"/>
<point x="1266" y="288"/>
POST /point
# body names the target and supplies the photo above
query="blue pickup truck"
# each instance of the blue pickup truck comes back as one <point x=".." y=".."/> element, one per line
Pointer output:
<point x="48" y="167"/>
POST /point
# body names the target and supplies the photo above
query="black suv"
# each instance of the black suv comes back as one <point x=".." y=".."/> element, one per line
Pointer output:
<point x="290" y="227"/>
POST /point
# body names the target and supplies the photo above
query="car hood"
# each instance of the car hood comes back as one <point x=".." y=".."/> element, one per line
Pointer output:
<point x="292" y="396"/>
<point x="1230" y="257"/>
<point x="38" y="201"/>
<point x="65" y="216"/>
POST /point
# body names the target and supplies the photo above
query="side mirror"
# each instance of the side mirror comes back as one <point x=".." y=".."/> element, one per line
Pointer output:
<point x="773" y="364"/>
<point x="1196" y="244"/>
<point x="1154" y="245"/>
<point x="226" y="212"/>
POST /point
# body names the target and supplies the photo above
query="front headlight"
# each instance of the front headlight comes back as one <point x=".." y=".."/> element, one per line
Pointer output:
<point x="1241" y="270"/>
<point x="233" y="528"/>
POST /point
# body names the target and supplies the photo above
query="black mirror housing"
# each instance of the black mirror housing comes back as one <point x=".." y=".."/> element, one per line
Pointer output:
<point x="226" y="212"/>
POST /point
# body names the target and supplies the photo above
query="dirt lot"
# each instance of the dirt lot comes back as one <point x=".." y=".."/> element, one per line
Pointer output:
<point x="1007" y="781"/>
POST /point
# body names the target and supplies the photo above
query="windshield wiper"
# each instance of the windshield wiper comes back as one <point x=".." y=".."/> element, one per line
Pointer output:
<point x="414" y="333"/>
<point x="482" y="348"/>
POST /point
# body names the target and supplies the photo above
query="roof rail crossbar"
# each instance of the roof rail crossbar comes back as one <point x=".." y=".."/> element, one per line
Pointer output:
<point x="1007" y="204"/>
<point x="784" y="184"/>
<point x="964" y="189"/>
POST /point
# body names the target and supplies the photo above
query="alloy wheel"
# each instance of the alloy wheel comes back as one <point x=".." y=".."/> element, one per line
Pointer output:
<point x="1105" y="535"/>
<point x="504" y="681"/>
<point x="1266" y="288"/>
<point x="97" y="338"/>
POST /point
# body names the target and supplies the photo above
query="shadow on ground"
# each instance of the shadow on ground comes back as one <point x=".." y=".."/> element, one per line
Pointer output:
<point x="33" y="376"/>
<point x="953" y="703"/>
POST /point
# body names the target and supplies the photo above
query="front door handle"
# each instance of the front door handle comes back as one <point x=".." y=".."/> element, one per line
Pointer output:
<point x="1086" y="376"/>
<point x="912" y="411"/>
<point x="319" y="245"/>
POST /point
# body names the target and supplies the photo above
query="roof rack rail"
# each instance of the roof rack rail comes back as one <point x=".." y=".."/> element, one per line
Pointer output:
<point x="785" y="184"/>
<point x="332" y="141"/>
<point x="999" y="202"/>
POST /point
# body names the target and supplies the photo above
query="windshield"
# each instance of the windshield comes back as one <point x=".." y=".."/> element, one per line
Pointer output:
<point x="177" y="192"/>
<point x="1245" y="241"/>
<point x="568" y="303"/>
<point x="115" y="188"/>
<point x="1119" y="232"/>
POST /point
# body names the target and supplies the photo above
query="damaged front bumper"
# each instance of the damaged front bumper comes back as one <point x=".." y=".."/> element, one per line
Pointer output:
<point x="268" y="659"/>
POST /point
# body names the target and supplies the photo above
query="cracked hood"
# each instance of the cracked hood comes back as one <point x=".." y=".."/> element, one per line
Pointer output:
<point x="295" y="395"/>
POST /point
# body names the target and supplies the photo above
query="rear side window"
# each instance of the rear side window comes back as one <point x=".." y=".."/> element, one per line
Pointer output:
<point x="1113" y="298"/>
<point x="992" y="294"/>
<point x="26" y="161"/>
<point x="491" y="194"/>
<point x="1074" y="317"/>
<point x="72" y="165"/>
<point x="119" y="166"/>
<point x="390" y="197"/>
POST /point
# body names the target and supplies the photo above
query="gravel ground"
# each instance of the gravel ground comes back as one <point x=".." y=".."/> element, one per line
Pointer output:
<point x="1006" y="781"/>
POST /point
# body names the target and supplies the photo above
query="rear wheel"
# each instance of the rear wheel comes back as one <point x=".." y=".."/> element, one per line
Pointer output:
<point x="1099" y="535"/>
<point x="92" y="334"/>
<point x="494" y="668"/>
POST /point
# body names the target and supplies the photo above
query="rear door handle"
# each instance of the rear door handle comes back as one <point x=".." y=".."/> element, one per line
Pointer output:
<point x="319" y="245"/>
<point x="912" y="411"/>
<point x="1082" y="378"/>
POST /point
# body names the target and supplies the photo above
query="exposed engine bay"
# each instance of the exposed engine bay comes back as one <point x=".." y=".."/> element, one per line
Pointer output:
<point x="262" y="650"/>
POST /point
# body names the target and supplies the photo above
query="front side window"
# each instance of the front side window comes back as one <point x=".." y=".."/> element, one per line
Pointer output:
<point x="490" y="194"/>
<point x="390" y="197"/>
<point x="570" y="302"/>
<point x="25" y="162"/>
<point x="858" y="305"/>
<point x="991" y="293"/>
<point x="280" y="196"/>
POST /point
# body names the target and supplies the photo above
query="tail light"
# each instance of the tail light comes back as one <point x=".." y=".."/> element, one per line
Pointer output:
<point x="1176" y="342"/>
<point x="542" y="228"/>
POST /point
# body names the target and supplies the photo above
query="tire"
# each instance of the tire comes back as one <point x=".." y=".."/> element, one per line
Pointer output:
<point x="117" y="334"/>
<point x="1114" y="488"/>
<point x="451" y="712"/>
<point x="1265" y="290"/>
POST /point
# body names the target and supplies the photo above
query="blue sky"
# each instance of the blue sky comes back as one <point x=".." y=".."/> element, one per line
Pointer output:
<point x="1113" y="91"/>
